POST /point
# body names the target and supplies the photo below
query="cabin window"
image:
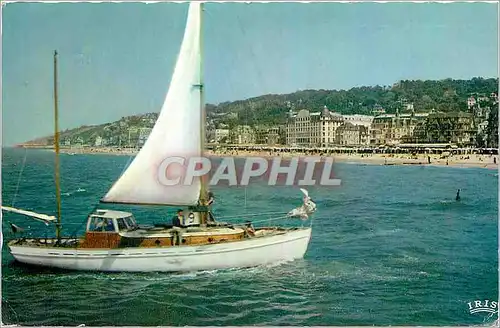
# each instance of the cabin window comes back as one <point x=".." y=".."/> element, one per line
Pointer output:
<point x="101" y="224"/>
<point x="121" y="224"/>
<point x="130" y="222"/>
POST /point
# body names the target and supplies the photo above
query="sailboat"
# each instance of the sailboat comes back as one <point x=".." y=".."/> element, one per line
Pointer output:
<point x="115" y="242"/>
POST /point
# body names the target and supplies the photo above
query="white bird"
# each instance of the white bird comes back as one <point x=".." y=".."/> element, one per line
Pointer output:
<point x="308" y="208"/>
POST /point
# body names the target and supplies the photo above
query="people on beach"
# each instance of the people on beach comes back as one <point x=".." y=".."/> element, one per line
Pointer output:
<point x="474" y="159"/>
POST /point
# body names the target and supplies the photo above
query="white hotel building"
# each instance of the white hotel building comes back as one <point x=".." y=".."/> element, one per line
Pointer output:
<point x="320" y="129"/>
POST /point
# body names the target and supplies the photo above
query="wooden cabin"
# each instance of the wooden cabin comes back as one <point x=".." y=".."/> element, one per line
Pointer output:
<point x="117" y="229"/>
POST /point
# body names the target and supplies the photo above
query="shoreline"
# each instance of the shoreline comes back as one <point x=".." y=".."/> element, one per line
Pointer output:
<point x="461" y="161"/>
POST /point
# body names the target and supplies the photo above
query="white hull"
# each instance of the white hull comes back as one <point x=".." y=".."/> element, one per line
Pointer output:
<point x="245" y="253"/>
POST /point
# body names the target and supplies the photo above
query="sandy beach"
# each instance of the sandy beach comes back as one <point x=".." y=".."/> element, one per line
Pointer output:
<point x="482" y="161"/>
<point x="472" y="160"/>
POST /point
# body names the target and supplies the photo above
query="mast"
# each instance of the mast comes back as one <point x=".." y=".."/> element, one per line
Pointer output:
<point x="203" y="190"/>
<point x="56" y="147"/>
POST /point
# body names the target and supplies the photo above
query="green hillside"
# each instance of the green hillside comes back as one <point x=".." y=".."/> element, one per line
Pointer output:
<point x="444" y="95"/>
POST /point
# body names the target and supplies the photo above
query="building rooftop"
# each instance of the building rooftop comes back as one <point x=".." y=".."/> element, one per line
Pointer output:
<point x="456" y="114"/>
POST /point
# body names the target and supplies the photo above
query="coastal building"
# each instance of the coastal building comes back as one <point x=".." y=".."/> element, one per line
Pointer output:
<point x="349" y="134"/>
<point x="242" y="134"/>
<point x="77" y="142"/>
<point x="267" y="135"/>
<point x="482" y="134"/>
<point x="494" y="98"/>
<point x="67" y="142"/>
<point x="273" y="136"/>
<point x="378" y="111"/>
<point x="363" y="121"/>
<point x="98" y="141"/>
<point x="471" y="102"/>
<point x="302" y="128"/>
<point x="312" y="129"/>
<point x="457" y="128"/>
<point x="133" y="136"/>
<point x="356" y="119"/>
<point x="221" y="135"/>
<point x="149" y="119"/>
<point x="391" y="129"/>
<point x="261" y="134"/>
<point x="282" y="135"/>
<point x="319" y="129"/>
<point x="143" y="136"/>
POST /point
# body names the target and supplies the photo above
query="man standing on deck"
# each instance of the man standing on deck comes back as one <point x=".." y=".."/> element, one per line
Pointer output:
<point x="177" y="220"/>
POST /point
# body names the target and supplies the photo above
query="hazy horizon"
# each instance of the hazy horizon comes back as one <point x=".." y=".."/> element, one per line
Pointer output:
<point x="110" y="68"/>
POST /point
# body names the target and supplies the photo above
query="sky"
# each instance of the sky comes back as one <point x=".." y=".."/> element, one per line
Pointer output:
<point x="116" y="59"/>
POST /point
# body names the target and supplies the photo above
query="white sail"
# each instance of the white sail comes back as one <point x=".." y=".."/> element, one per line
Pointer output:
<point x="177" y="131"/>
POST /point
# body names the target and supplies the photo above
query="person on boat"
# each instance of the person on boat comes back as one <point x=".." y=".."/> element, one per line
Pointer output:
<point x="210" y="198"/>
<point x="177" y="220"/>
<point x="98" y="226"/>
<point x="249" y="228"/>
<point x="210" y="218"/>
<point x="109" y="225"/>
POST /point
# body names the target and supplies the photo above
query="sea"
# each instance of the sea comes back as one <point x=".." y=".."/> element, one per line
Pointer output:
<point x="390" y="246"/>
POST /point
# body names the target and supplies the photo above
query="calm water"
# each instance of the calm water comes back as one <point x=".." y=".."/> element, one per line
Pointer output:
<point x="389" y="247"/>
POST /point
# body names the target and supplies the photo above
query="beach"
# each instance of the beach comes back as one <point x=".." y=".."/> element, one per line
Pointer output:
<point x="469" y="160"/>
<point x="484" y="161"/>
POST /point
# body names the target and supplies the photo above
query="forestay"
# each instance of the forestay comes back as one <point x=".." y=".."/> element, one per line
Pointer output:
<point x="177" y="131"/>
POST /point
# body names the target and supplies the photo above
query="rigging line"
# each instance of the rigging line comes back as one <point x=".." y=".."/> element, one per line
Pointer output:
<point x="20" y="175"/>
<point x="259" y="76"/>
<point x="271" y="219"/>
<point x="248" y="215"/>
<point x="245" y="208"/>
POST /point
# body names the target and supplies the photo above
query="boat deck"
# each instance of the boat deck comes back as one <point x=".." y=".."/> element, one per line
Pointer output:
<point x="153" y="237"/>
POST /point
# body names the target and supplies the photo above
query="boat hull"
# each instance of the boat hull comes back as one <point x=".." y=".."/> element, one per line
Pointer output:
<point x="250" y="252"/>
